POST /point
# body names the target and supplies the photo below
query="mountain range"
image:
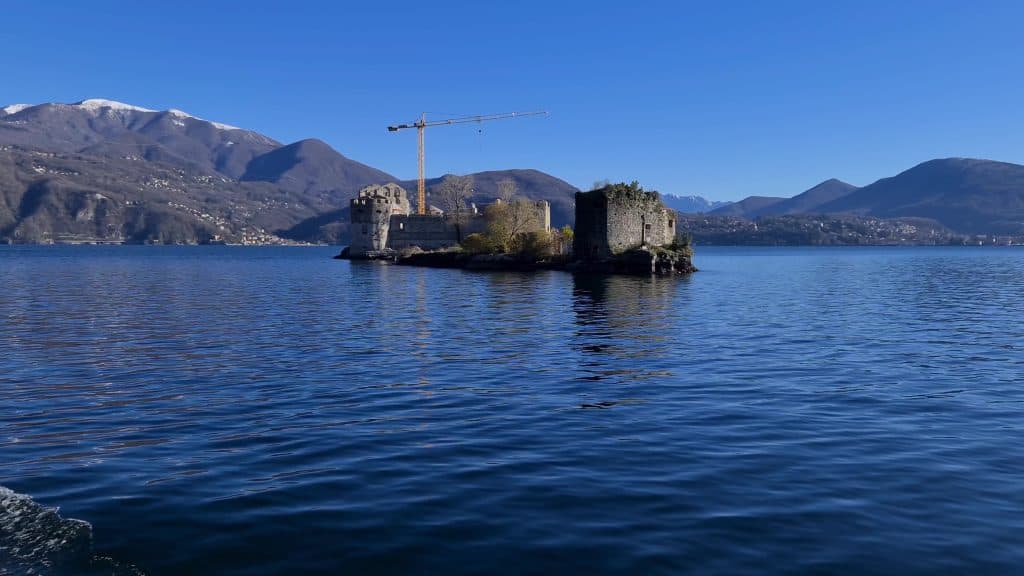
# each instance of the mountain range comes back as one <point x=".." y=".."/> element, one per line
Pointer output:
<point x="965" y="195"/>
<point x="803" y="203"/>
<point x="108" y="171"/>
<point x="100" y="170"/>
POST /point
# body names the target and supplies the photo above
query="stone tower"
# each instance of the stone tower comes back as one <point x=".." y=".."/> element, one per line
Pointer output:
<point x="370" y="215"/>
<point x="619" y="218"/>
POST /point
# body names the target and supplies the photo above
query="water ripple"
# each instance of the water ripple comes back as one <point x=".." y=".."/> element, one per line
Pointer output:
<point x="264" y="411"/>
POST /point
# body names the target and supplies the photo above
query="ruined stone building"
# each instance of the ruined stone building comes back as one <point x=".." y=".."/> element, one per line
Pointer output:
<point x="618" y="218"/>
<point x="370" y="214"/>
<point x="382" y="219"/>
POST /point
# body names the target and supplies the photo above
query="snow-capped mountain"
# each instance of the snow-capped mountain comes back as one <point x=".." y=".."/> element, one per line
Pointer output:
<point x="13" y="109"/>
<point x="103" y="170"/>
<point x="99" y="105"/>
<point x="106" y="169"/>
<point x="691" y="204"/>
<point x="112" y="128"/>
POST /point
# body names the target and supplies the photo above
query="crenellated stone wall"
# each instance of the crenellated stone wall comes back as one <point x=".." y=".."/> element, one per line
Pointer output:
<point x="371" y="213"/>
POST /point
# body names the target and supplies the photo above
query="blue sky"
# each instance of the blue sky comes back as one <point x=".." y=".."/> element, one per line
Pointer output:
<point x="721" y="99"/>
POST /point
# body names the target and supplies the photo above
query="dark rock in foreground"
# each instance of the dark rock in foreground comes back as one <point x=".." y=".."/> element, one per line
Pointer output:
<point x="37" y="540"/>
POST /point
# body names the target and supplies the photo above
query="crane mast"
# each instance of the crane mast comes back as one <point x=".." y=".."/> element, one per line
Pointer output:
<point x="421" y="125"/>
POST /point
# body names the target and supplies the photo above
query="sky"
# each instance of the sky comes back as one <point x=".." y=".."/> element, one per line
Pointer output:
<point x="718" y="99"/>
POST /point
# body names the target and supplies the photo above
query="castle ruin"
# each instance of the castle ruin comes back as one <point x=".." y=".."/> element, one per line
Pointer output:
<point x="382" y="221"/>
<point x="370" y="214"/>
<point x="619" y="218"/>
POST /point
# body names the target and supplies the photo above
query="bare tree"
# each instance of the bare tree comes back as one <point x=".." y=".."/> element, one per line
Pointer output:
<point x="455" y="192"/>
<point x="523" y="217"/>
<point x="509" y="221"/>
<point x="506" y="190"/>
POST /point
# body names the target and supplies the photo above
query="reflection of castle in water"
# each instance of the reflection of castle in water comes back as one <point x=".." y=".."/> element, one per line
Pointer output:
<point x="625" y="318"/>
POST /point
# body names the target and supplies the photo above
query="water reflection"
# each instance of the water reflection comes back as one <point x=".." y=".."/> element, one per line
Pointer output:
<point x="396" y="300"/>
<point x="625" y="325"/>
<point x="218" y="411"/>
<point x="422" y="342"/>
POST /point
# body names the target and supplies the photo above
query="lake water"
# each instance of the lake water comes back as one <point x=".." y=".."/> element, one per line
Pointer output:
<point x="227" y="410"/>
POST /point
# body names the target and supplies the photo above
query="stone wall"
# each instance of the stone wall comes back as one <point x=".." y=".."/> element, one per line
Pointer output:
<point x="430" y="232"/>
<point x="381" y="217"/>
<point x="618" y="218"/>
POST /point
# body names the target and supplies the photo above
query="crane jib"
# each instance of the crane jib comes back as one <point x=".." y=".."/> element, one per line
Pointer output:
<point x="422" y="123"/>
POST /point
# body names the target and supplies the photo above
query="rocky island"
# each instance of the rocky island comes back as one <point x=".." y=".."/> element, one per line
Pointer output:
<point x="620" y="229"/>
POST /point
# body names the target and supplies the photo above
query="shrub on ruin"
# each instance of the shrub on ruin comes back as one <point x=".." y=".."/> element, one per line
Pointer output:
<point x="683" y="243"/>
<point x="477" y="244"/>
<point x="535" y="245"/>
<point x="562" y="240"/>
<point x="633" y="187"/>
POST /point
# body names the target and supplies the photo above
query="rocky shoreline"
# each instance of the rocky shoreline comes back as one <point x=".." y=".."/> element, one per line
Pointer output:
<point x="639" y="262"/>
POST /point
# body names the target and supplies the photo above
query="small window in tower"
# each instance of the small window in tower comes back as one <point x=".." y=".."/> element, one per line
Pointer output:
<point x="671" y="223"/>
<point x="647" y="226"/>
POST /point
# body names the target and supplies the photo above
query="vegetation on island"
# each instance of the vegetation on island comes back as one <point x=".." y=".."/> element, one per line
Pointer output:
<point x="513" y="234"/>
<point x="621" y="189"/>
<point x="454" y="193"/>
<point x="514" y="227"/>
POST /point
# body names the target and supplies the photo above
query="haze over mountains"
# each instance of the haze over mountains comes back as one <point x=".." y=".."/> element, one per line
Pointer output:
<point x="108" y="171"/>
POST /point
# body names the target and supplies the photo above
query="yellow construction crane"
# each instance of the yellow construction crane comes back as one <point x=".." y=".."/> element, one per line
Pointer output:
<point x="422" y="124"/>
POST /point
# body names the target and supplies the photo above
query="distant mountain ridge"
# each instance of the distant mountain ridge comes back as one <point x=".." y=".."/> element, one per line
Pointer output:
<point x="806" y="202"/>
<point x="811" y="200"/>
<point x="965" y="195"/>
<point x="749" y="207"/>
<point x="312" y="167"/>
<point x="102" y="170"/>
<point x="180" y="178"/>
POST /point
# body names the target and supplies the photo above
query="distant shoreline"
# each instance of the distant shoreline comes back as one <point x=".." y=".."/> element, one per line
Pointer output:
<point x="701" y="244"/>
